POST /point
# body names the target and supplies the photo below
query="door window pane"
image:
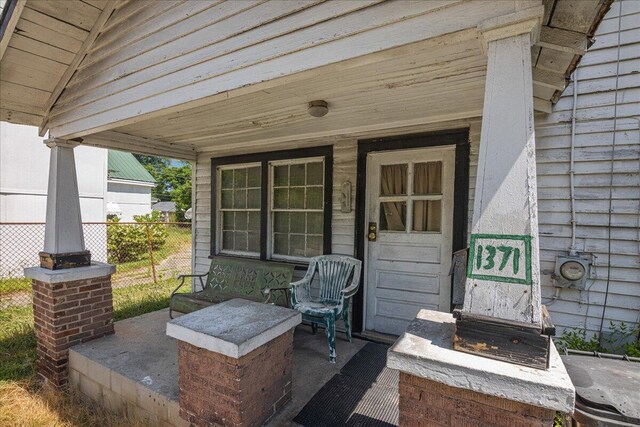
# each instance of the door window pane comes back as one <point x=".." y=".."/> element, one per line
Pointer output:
<point x="427" y="178"/>
<point x="393" y="216"/>
<point x="427" y="215"/>
<point x="393" y="180"/>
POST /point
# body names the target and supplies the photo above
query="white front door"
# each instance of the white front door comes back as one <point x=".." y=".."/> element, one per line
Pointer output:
<point x="410" y="203"/>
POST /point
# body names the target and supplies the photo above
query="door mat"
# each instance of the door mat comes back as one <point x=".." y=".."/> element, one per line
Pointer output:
<point x="363" y="394"/>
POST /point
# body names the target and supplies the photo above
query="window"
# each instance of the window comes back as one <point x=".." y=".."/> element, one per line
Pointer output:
<point x="273" y="205"/>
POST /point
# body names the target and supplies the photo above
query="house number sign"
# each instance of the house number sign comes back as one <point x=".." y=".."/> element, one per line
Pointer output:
<point x="500" y="258"/>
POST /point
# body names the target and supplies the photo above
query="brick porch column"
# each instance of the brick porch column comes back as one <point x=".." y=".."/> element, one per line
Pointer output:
<point x="72" y="298"/>
<point x="235" y="362"/>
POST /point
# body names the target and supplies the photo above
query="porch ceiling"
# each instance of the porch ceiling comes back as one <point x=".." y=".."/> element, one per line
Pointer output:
<point x="425" y="82"/>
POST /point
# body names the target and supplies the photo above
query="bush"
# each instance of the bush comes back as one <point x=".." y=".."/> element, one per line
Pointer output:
<point x="125" y="242"/>
<point x="620" y="339"/>
<point x="158" y="232"/>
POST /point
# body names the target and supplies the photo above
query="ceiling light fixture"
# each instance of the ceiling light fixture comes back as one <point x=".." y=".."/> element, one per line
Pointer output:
<point x="318" y="108"/>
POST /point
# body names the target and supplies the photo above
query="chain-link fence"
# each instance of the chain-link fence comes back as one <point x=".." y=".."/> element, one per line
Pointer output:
<point x="147" y="255"/>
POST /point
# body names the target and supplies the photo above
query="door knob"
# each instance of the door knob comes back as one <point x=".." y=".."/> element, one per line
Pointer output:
<point x="373" y="232"/>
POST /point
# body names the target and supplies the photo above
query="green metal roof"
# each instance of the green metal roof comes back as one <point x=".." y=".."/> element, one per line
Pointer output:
<point x="125" y="166"/>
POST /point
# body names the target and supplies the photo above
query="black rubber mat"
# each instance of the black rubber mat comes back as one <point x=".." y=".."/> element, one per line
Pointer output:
<point x="363" y="394"/>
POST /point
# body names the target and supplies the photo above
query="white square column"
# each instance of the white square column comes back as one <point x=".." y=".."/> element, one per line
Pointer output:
<point x="502" y="292"/>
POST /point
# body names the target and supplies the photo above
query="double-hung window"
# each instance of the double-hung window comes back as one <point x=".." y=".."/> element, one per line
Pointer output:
<point x="273" y="205"/>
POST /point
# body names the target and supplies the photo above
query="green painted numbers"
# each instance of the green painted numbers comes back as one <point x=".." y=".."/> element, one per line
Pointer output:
<point x="500" y="257"/>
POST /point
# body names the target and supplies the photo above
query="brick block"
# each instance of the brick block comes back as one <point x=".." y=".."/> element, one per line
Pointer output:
<point x="66" y="314"/>
<point x="217" y="390"/>
<point x="428" y="403"/>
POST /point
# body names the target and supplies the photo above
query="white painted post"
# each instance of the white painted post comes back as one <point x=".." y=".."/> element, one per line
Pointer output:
<point x="503" y="273"/>
<point x="64" y="240"/>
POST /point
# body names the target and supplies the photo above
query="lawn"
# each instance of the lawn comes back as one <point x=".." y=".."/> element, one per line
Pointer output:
<point x="23" y="402"/>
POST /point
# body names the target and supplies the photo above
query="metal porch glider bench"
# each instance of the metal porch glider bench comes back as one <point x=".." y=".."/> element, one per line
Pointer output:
<point x="230" y="278"/>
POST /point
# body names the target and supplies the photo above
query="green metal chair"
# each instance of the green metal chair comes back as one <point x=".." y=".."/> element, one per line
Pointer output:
<point x="339" y="278"/>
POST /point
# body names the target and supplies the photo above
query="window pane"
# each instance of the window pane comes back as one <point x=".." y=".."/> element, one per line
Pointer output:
<point x="240" y="199"/>
<point x="296" y="174"/>
<point x="281" y="222"/>
<point x="393" y="216"/>
<point x="314" y="197"/>
<point x="241" y="221"/>
<point x="314" y="222"/>
<point x="227" y="220"/>
<point x="281" y="244"/>
<point x="254" y="242"/>
<point x="253" y="177"/>
<point x="314" y="246"/>
<point x="393" y="180"/>
<point x="227" y="178"/>
<point x="241" y="241"/>
<point x="315" y="173"/>
<point x="297" y="245"/>
<point x="227" y="199"/>
<point x="227" y="240"/>
<point x="254" y="221"/>
<point x="427" y="178"/>
<point x="296" y="198"/>
<point x="281" y="176"/>
<point x="426" y="215"/>
<point x="297" y="222"/>
<point x="240" y="178"/>
<point x="253" y="198"/>
<point x="281" y="198"/>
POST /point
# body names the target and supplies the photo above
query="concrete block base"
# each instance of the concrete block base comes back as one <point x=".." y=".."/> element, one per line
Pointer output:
<point x="218" y="390"/>
<point x="429" y="403"/>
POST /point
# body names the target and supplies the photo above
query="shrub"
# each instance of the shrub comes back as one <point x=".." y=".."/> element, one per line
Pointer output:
<point x="158" y="232"/>
<point x="125" y="242"/>
<point x="620" y="339"/>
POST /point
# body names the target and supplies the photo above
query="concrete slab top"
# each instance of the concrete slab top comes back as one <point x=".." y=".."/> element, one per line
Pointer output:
<point x="426" y="350"/>
<point x="235" y="327"/>
<point x="96" y="269"/>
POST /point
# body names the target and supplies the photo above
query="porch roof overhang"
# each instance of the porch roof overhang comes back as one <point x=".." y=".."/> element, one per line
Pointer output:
<point x="379" y="65"/>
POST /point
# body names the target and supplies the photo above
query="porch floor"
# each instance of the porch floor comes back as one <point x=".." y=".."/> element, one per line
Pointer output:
<point x="135" y="370"/>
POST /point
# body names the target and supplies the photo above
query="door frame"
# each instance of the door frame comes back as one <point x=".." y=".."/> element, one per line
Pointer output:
<point x="457" y="137"/>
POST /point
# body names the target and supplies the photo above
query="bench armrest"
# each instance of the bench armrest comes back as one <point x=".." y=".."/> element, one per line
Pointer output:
<point x="182" y="277"/>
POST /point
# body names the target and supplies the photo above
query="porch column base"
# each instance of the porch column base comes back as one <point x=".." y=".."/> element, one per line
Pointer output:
<point x="70" y="306"/>
<point x="235" y="362"/>
<point x="443" y="387"/>
<point x="68" y="260"/>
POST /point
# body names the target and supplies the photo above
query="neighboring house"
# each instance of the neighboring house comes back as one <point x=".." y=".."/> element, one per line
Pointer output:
<point x="129" y="187"/>
<point x="168" y="210"/>
<point x="395" y="132"/>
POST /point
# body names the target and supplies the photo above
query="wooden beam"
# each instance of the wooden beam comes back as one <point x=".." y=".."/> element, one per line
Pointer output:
<point x="563" y="40"/>
<point x="549" y="79"/>
<point x="7" y="30"/>
<point x="542" y="105"/>
<point x="135" y="144"/>
<point x="109" y="7"/>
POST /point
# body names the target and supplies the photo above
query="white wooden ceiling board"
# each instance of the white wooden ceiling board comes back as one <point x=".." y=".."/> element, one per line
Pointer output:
<point x="574" y="15"/>
<point x="19" y="117"/>
<point x="42" y="49"/>
<point x="53" y="23"/>
<point x="44" y="34"/>
<point x="99" y="4"/>
<point x="129" y="8"/>
<point x="76" y="13"/>
<point x="554" y="60"/>
<point x="31" y="96"/>
<point x="16" y="73"/>
<point x="29" y="60"/>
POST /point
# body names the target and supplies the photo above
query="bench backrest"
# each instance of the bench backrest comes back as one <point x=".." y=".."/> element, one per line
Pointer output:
<point x="248" y="277"/>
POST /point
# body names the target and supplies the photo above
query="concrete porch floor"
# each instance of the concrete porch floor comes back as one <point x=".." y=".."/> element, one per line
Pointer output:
<point x="135" y="371"/>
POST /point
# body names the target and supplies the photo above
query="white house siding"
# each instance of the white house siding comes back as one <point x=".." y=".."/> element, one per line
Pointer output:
<point x="24" y="172"/>
<point x="594" y="139"/>
<point x="132" y="198"/>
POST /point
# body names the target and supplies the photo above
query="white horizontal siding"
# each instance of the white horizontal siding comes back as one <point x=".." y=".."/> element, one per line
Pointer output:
<point x="612" y="239"/>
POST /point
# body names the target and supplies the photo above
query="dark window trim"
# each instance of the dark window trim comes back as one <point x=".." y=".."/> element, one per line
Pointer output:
<point x="325" y="151"/>
<point x="457" y="137"/>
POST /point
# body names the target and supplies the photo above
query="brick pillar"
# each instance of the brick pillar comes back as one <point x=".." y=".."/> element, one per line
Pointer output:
<point x="218" y="390"/>
<point x="69" y="307"/>
<point x="429" y="403"/>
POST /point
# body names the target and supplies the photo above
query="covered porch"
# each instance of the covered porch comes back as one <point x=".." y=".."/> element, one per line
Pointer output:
<point x="135" y="372"/>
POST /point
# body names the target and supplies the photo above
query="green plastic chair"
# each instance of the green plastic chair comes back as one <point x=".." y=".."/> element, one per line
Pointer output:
<point x="339" y="278"/>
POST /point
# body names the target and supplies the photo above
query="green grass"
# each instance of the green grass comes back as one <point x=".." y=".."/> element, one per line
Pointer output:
<point x="17" y="336"/>
<point x="177" y="238"/>
<point x="8" y="286"/>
